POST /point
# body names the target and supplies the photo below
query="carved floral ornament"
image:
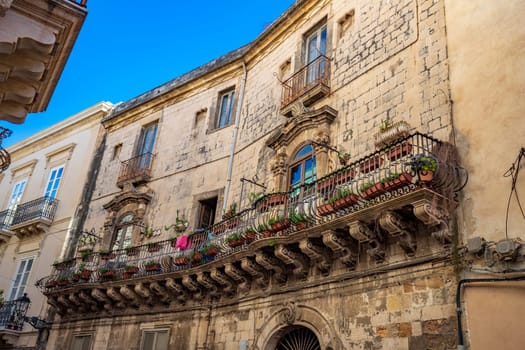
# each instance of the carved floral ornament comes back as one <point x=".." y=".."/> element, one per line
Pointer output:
<point x="311" y="125"/>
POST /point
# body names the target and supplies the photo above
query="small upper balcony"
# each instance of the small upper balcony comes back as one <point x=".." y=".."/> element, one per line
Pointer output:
<point x="135" y="170"/>
<point x="309" y="84"/>
<point x="390" y="206"/>
<point x="28" y="218"/>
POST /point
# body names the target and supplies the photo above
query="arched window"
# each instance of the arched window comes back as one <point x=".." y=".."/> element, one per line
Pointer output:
<point x="123" y="232"/>
<point x="302" y="169"/>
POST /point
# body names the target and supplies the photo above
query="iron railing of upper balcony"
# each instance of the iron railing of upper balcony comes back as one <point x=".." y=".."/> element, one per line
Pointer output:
<point x="6" y="218"/>
<point x="82" y="3"/>
<point x="12" y="313"/>
<point x="41" y="208"/>
<point x="5" y="158"/>
<point x="314" y="74"/>
<point x="136" y="169"/>
<point x="413" y="163"/>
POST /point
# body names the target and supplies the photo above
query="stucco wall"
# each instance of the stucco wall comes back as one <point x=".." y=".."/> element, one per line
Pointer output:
<point x="486" y="43"/>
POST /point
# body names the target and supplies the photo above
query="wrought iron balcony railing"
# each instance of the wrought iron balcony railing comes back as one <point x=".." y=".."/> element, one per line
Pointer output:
<point x="314" y="77"/>
<point x="6" y="218"/>
<point x="12" y="313"/>
<point x="136" y="169"/>
<point x="41" y="208"/>
<point x="403" y="175"/>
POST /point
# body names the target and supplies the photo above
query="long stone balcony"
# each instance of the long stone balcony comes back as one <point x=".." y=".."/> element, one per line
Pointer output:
<point x="307" y="85"/>
<point x="135" y="170"/>
<point x="29" y="218"/>
<point x="377" y="211"/>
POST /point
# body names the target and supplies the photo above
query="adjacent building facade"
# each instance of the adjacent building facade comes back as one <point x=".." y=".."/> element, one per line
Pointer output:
<point x="328" y="186"/>
<point x="40" y="200"/>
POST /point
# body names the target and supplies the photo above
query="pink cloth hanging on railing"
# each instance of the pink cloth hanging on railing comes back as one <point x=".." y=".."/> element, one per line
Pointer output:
<point x="182" y="242"/>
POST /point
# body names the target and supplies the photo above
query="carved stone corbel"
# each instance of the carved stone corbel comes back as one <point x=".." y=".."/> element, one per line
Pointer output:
<point x="292" y="258"/>
<point x="238" y="276"/>
<point x="102" y="297"/>
<point x="88" y="300"/>
<point x="270" y="263"/>
<point x="117" y="297"/>
<point x="360" y="232"/>
<point x="192" y="286"/>
<point x="433" y="215"/>
<point x="397" y="226"/>
<point x="160" y="291"/>
<point x="144" y="293"/>
<point x="60" y="309"/>
<point x="317" y="254"/>
<point x="130" y="295"/>
<point x="341" y="248"/>
<point x="205" y="280"/>
<point x="177" y="289"/>
<point x="222" y="279"/>
<point x="256" y="271"/>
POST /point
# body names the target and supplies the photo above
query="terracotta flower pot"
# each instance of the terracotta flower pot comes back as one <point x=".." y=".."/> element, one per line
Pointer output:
<point x="373" y="191"/>
<point x="181" y="261"/>
<point x="325" y="209"/>
<point x="426" y="175"/>
<point x="400" y="150"/>
<point x="85" y="274"/>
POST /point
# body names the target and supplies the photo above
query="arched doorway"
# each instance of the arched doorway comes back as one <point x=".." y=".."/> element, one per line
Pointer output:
<point x="296" y="338"/>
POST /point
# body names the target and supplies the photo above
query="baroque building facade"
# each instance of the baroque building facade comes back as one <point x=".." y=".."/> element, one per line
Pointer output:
<point x="317" y="187"/>
<point x="40" y="198"/>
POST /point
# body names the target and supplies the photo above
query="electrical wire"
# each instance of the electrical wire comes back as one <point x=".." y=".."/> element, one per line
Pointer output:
<point x="513" y="172"/>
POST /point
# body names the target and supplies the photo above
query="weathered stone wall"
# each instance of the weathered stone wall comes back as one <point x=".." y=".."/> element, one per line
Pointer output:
<point x="410" y="308"/>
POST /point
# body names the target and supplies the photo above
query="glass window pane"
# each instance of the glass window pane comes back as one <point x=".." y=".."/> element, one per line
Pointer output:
<point x="322" y="46"/>
<point x="296" y="174"/>
<point x="162" y="341"/>
<point x="149" y="341"/>
<point x="303" y="152"/>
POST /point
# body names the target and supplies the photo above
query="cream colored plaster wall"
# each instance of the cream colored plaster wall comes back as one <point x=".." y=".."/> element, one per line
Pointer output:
<point x="70" y="143"/>
<point x="487" y="54"/>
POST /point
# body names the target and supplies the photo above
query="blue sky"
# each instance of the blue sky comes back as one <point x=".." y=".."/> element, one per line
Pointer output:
<point x="127" y="47"/>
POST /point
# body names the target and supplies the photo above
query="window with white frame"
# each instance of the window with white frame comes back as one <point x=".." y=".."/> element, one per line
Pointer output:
<point x="54" y="181"/>
<point x="225" y="115"/>
<point x="81" y="342"/>
<point x="20" y="278"/>
<point x="155" y="339"/>
<point x="16" y="195"/>
<point x="123" y="233"/>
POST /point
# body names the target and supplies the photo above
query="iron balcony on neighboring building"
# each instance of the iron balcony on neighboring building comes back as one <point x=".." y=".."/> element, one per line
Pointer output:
<point x="309" y="84"/>
<point x="28" y="218"/>
<point x="135" y="170"/>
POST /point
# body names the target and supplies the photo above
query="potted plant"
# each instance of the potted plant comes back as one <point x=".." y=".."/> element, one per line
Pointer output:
<point x="344" y="198"/>
<point x="106" y="254"/>
<point x="325" y="208"/>
<point x="370" y="189"/>
<point x="235" y="239"/>
<point x="299" y="220"/>
<point x="196" y="257"/>
<point x="62" y="265"/>
<point x="153" y="247"/>
<point x="106" y="273"/>
<point x="51" y="284"/>
<point x="249" y="235"/>
<point x="264" y="230"/>
<point x="211" y="250"/>
<point x="343" y="157"/>
<point x="180" y="225"/>
<point x="394" y="181"/>
<point x="86" y="255"/>
<point x="131" y="250"/>
<point x="62" y="281"/>
<point x="129" y="271"/>
<point x="426" y="167"/>
<point x="84" y="273"/>
<point x="279" y="223"/>
<point x="181" y="259"/>
<point x="389" y="132"/>
<point x="152" y="265"/>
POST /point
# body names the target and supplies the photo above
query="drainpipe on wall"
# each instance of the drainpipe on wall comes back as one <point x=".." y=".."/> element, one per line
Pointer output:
<point x="234" y="137"/>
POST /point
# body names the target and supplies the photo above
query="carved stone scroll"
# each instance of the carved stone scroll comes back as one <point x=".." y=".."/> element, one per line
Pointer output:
<point x="289" y="257"/>
<point x="117" y="297"/>
<point x="397" y="226"/>
<point x="160" y="291"/>
<point x="339" y="246"/>
<point x="317" y="254"/>
<point x="272" y="264"/>
<point x="256" y="271"/>
<point x="221" y="278"/>
<point x="238" y="276"/>
<point x="130" y="295"/>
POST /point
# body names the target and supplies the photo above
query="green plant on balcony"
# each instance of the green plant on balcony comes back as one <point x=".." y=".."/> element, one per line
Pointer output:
<point x="180" y="225"/>
<point x="232" y="210"/>
<point x="131" y="250"/>
<point x="106" y="273"/>
<point x="147" y="232"/>
<point x="279" y="223"/>
<point x="264" y="230"/>
<point x="235" y="239"/>
<point x="106" y="254"/>
<point x="254" y="196"/>
<point x="211" y="249"/>
<point x="153" y="247"/>
<point x="249" y="235"/>
<point x="63" y="281"/>
<point x="299" y="220"/>
<point x="425" y="166"/>
<point x="371" y="189"/>
<point x="152" y="265"/>
<point x="343" y="198"/>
